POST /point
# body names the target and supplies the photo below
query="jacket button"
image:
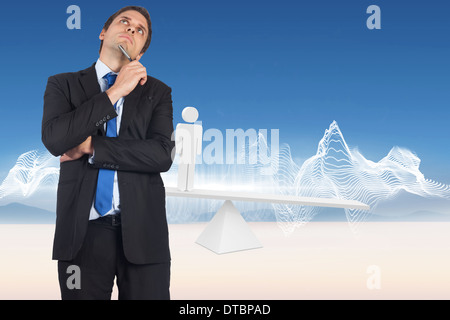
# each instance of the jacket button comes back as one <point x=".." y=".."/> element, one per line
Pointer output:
<point x="96" y="124"/>
<point x="107" y="117"/>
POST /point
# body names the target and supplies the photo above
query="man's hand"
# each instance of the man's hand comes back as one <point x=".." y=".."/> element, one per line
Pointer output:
<point x="129" y="76"/>
<point x="79" y="151"/>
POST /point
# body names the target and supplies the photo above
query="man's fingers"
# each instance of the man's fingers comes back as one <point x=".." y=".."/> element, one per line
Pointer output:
<point x="143" y="75"/>
<point x="132" y="64"/>
<point x="130" y="75"/>
<point x="132" y="67"/>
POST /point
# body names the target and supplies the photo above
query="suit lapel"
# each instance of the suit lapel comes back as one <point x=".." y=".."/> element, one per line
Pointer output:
<point x="130" y="107"/>
<point x="89" y="83"/>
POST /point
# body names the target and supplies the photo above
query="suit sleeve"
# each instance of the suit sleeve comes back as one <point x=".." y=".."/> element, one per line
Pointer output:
<point x="64" y="126"/>
<point x="153" y="154"/>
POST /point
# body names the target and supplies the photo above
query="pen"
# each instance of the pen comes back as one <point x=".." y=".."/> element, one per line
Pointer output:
<point x="125" y="53"/>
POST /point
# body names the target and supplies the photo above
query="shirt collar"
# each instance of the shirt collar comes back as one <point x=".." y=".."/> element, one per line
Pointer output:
<point x="102" y="70"/>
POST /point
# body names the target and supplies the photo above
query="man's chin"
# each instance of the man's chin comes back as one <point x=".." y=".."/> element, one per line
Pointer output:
<point x="124" y="45"/>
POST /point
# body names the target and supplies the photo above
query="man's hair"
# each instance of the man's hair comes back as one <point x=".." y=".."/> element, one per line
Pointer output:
<point x="142" y="11"/>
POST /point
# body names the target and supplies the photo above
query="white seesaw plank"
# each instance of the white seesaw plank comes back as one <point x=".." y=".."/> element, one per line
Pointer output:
<point x="228" y="231"/>
<point x="271" y="198"/>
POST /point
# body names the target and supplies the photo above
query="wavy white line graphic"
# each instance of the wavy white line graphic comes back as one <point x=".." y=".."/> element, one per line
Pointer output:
<point x="32" y="181"/>
<point x="334" y="171"/>
<point x="337" y="172"/>
<point x="32" y="171"/>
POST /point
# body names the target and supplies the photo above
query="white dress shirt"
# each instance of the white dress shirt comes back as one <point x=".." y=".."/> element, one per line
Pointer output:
<point x="102" y="69"/>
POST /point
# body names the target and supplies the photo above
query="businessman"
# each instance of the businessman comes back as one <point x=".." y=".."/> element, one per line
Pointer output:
<point x="111" y="125"/>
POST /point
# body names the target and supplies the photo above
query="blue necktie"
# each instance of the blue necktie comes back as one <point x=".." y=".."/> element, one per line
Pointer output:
<point x="105" y="181"/>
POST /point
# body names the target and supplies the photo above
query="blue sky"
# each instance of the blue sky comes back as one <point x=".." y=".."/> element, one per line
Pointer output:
<point x="290" y="65"/>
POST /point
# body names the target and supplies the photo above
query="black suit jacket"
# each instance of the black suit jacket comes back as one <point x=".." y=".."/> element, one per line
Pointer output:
<point x="74" y="109"/>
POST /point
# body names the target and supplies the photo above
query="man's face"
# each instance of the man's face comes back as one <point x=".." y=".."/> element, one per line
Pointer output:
<point x="129" y="29"/>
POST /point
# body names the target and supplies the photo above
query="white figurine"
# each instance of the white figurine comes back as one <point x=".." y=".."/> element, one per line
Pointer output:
<point x="188" y="144"/>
